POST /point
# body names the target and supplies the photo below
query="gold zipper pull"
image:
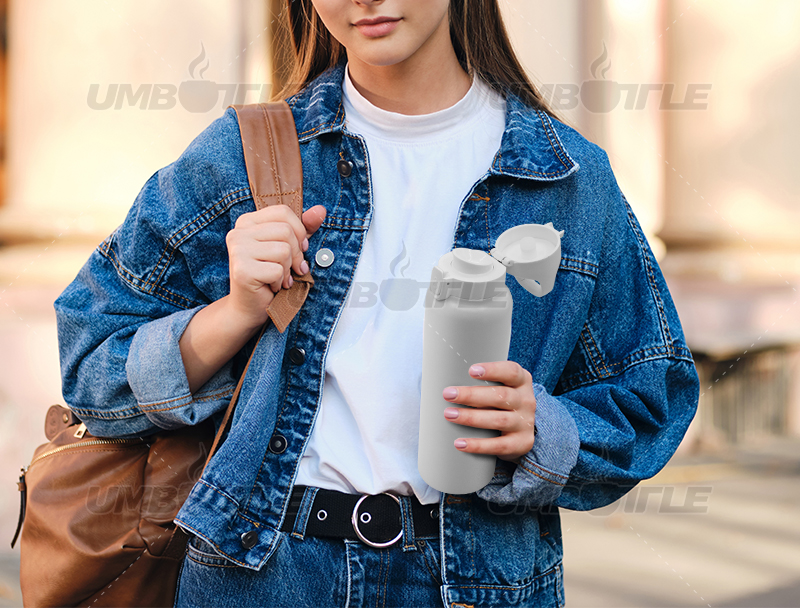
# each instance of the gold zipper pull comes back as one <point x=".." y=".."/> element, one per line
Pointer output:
<point x="81" y="431"/>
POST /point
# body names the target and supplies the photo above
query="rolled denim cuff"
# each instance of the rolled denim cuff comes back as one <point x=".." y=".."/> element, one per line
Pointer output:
<point x="158" y="379"/>
<point x="542" y="473"/>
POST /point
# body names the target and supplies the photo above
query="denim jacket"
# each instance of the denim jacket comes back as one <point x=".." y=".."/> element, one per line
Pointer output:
<point x="614" y="381"/>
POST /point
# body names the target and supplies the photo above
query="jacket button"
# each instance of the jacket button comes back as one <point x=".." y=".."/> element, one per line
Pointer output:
<point x="297" y="355"/>
<point x="345" y="168"/>
<point x="324" y="257"/>
<point x="277" y="443"/>
<point x="249" y="539"/>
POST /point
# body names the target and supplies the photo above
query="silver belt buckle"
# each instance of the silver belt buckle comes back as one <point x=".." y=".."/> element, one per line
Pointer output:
<point x="354" y="521"/>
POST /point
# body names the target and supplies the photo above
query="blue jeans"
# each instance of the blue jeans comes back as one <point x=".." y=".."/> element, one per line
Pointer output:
<point x="316" y="572"/>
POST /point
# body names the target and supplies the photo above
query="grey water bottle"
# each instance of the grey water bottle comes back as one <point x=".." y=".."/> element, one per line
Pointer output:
<point x="468" y="320"/>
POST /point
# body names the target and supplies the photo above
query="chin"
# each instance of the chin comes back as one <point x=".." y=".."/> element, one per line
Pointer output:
<point x="382" y="59"/>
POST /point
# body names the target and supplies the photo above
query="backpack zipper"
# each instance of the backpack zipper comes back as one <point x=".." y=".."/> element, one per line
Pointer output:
<point x="22" y="486"/>
<point x="81" y="444"/>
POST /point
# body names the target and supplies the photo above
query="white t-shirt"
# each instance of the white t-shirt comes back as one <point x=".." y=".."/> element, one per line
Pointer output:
<point x="422" y="167"/>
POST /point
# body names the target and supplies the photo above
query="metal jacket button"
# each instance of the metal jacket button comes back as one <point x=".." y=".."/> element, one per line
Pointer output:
<point x="297" y="355"/>
<point x="345" y="168"/>
<point x="249" y="539"/>
<point x="277" y="443"/>
<point x="324" y="257"/>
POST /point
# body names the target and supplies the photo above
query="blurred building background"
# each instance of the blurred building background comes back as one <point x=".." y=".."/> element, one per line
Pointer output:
<point x="692" y="99"/>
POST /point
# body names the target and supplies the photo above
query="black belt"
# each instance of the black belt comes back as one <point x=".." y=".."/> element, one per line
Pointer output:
<point x="375" y="519"/>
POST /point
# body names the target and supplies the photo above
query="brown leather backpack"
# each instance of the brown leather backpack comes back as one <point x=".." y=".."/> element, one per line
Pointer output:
<point x="98" y="512"/>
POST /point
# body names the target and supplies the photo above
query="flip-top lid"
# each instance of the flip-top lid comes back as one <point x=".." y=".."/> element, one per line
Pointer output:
<point x="531" y="253"/>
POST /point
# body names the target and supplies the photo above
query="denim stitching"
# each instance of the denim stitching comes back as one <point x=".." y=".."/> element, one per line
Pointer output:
<point x="468" y="511"/>
<point x="132" y="280"/>
<point x="532" y="472"/>
<point x="408" y="522"/>
<point x="486" y="217"/>
<point x="533" y="580"/>
<point x="509" y="170"/>
<point x="361" y="227"/>
<point x="581" y="262"/>
<point x="650" y="276"/>
<point x="185" y="525"/>
<point x="597" y="349"/>
<point x="541" y="468"/>
<point x="257" y="524"/>
<point x="220" y="492"/>
<point x="147" y="409"/>
<point x="548" y="127"/>
<point x="384" y="576"/>
<point x="196" y="559"/>
<point x="101" y="413"/>
<point x="198" y="398"/>
<point x="579" y="270"/>
<point x="661" y="352"/>
<point x="206" y="559"/>
<point x="590" y="353"/>
<point x="341" y="186"/>
<point x="423" y="554"/>
<point x="304" y="512"/>
<point x="314" y="130"/>
<point x="173" y="247"/>
<point x="341" y="217"/>
<point x="150" y="285"/>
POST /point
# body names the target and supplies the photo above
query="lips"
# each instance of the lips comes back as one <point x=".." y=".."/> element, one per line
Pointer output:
<point x="375" y="20"/>
<point x="377" y="26"/>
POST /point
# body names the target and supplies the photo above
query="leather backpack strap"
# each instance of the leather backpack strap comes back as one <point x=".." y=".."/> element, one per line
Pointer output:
<point x="275" y="172"/>
<point x="226" y="421"/>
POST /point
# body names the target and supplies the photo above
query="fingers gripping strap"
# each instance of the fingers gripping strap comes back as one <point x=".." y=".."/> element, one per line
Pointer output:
<point x="275" y="173"/>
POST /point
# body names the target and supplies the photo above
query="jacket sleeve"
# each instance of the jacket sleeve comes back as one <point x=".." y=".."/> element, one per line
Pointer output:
<point x="120" y="320"/>
<point x="629" y="390"/>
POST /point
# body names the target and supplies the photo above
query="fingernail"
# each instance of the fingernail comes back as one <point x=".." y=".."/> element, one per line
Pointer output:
<point x="304" y="267"/>
<point x="291" y="281"/>
<point x="477" y="371"/>
<point x="305" y="244"/>
<point x="450" y="393"/>
<point x="460" y="443"/>
<point x="451" y="412"/>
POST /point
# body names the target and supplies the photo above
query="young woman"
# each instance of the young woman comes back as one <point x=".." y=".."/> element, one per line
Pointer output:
<point x="419" y="132"/>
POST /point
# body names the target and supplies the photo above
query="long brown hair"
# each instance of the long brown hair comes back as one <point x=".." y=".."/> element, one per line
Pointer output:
<point x="477" y="32"/>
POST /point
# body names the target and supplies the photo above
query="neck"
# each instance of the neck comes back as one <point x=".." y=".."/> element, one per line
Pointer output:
<point x="422" y="84"/>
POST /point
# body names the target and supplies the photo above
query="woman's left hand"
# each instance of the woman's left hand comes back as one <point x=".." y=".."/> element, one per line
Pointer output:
<point x="511" y="409"/>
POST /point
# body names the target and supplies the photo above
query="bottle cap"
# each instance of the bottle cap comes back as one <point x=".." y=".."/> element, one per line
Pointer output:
<point x="531" y="253"/>
<point x="467" y="274"/>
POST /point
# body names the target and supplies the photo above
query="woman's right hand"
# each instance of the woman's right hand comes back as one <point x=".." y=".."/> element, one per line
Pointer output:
<point x="263" y="248"/>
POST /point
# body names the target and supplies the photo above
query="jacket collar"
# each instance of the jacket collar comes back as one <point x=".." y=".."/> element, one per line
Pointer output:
<point x="530" y="147"/>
